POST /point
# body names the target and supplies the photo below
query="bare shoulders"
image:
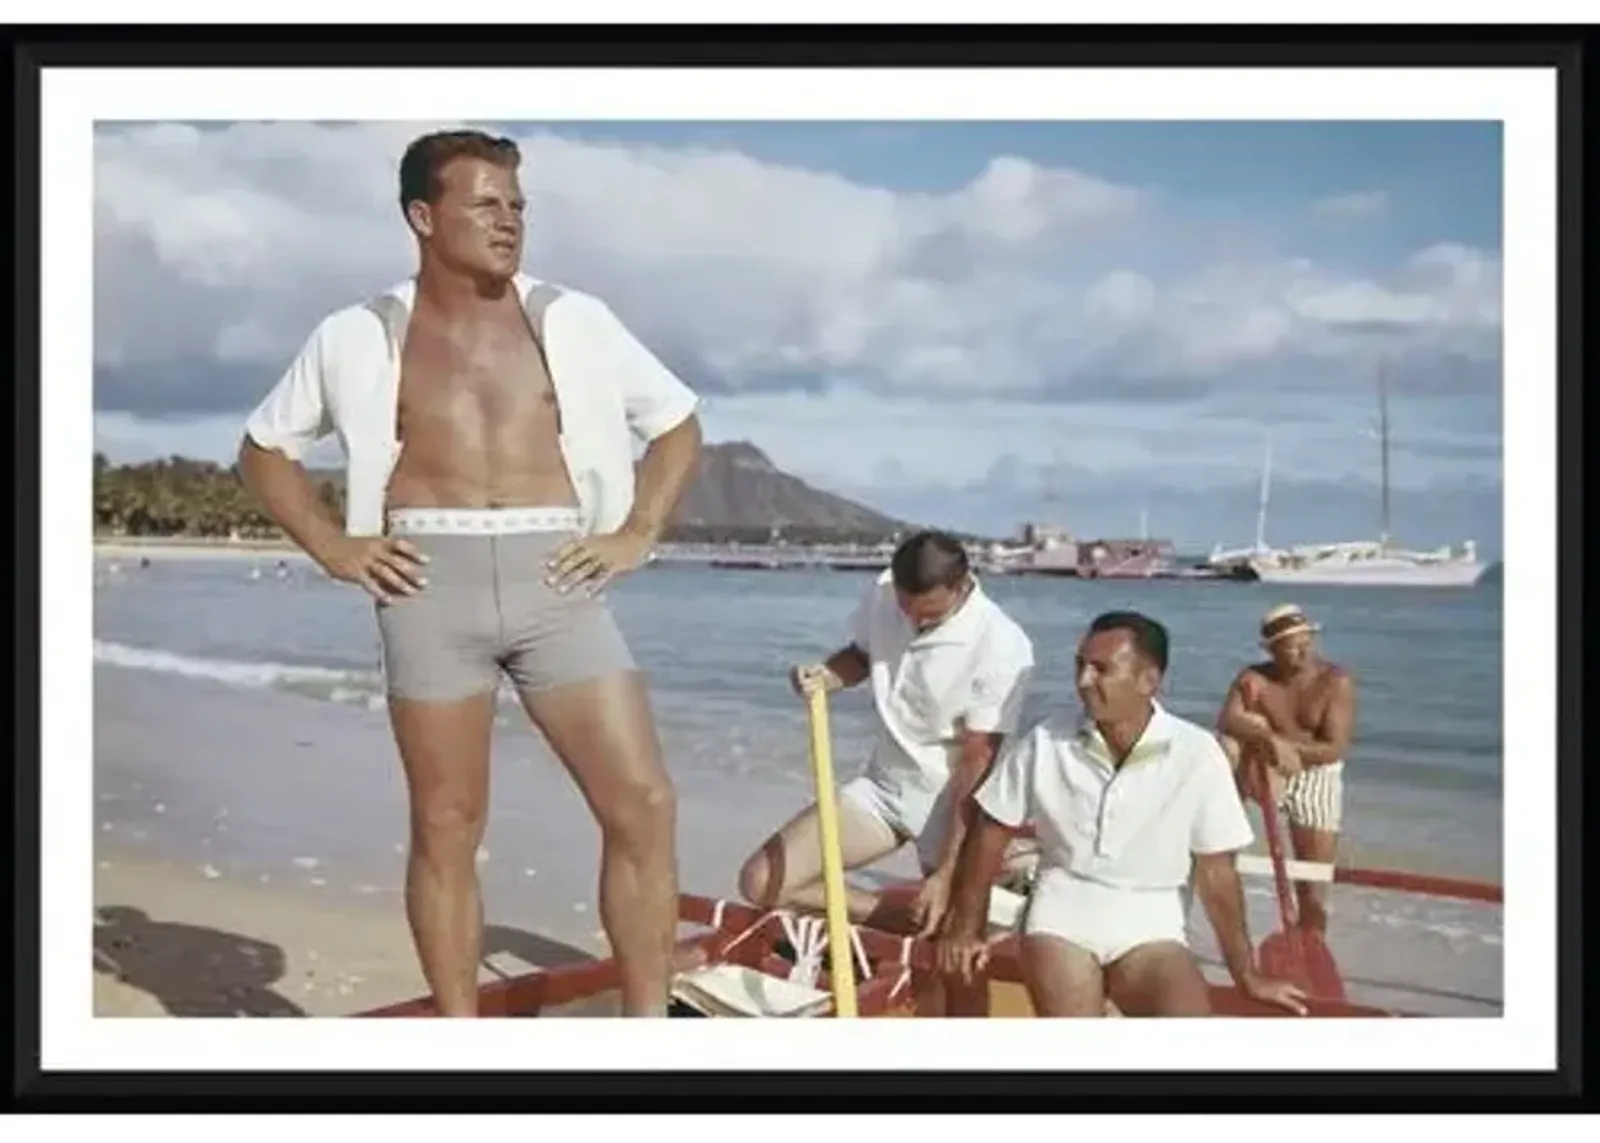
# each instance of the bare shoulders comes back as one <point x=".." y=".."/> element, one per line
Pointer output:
<point x="1329" y="673"/>
<point x="1261" y="672"/>
<point x="1329" y="681"/>
<point x="1336" y="678"/>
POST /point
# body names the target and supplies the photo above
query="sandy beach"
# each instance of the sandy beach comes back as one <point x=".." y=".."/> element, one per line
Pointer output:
<point x="172" y="941"/>
<point x="249" y="860"/>
<point x="249" y="855"/>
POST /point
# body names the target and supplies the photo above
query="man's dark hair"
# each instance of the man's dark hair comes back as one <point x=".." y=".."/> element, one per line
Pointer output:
<point x="928" y="560"/>
<point x="427" y="156"/>
<point x="1149" y="637"/>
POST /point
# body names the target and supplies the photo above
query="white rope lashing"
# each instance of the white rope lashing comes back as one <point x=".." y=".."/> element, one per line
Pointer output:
<point x="905" y="967"/>
<point x="755" y="926"/>
<point x="861" y="953"/>
<point x="808" y="936"/>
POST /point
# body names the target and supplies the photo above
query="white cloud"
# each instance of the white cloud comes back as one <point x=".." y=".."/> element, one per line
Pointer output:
<point x="1441" y="286"/>
<point x="129" y="439"/>
<point x="225" y="245"/>
<point x="1121" y="295"/>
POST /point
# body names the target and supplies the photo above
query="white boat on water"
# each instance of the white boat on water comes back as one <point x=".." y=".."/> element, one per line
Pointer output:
<point x="1376" y="563"/>
<point x="1231" y="559"/>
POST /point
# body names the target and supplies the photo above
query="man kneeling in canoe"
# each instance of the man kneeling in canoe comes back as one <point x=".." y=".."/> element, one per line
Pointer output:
<point x="1128" y="805"/>
<point x="948" y="672"/>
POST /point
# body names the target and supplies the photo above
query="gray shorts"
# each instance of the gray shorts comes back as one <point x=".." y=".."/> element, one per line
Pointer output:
<point x="486" y="608"/>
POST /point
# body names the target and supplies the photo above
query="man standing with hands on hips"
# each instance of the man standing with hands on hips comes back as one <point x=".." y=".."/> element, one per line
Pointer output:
<point x="487" y="419"/>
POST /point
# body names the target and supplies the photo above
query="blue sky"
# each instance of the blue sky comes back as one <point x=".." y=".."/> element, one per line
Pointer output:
<point x="972" y="323"/>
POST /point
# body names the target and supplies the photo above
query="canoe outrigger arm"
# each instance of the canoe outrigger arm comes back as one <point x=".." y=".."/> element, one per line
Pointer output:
<point x="733" y="989"/>
<point x="737" y="964"/>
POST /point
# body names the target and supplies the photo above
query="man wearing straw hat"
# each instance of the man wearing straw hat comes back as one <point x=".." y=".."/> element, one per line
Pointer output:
<point x="1292" y="716"/>
<point x="948" y="670"/>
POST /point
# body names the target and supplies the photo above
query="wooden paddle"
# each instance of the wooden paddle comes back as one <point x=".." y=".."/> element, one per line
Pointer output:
<point x="839" y="948"/>
<point x="1293" y="953"/>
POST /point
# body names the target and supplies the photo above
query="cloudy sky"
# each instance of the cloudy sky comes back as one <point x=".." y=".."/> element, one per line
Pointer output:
<point x="970" y="324"/>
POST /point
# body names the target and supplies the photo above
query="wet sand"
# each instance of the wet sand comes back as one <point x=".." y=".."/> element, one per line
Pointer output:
<point x="249" y="854"/>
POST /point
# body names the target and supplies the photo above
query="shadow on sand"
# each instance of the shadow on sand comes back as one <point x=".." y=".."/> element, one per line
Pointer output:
<point x="530" y="948"/>
<point x="542" y="952"/>
<point x="191" y="970"/>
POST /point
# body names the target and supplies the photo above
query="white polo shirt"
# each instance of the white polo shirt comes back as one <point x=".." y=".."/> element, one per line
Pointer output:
<point x="1134" y="828"/>
<point x="346" y="380"/>
<point x="972" y="670"/>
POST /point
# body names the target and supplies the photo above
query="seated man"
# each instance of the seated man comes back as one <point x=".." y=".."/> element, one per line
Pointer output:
<point x="1127" y="806"/>
<point x="948" y="671"/>
<point x="1289" y="720"/>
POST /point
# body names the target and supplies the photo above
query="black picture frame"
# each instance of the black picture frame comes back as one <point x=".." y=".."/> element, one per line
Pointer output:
<point x="38" y="49"/>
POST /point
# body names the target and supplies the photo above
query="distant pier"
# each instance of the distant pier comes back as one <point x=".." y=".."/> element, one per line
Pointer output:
<point x="793" y="560"/>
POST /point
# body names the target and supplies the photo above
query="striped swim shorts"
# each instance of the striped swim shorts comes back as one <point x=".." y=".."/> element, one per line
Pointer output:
<point x="1314" y="798"/>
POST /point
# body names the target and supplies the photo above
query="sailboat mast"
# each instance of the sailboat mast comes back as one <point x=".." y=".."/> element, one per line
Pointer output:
<point x="1383" y="436"/>
<point x="1266" y="492"/>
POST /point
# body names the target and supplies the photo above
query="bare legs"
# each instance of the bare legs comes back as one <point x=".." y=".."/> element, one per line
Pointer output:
<point x="444" y="749"/>
<point x="1062" y="979"/>
<point x="603" y="732"/>
<point x="1250" y="761"/>
<point x="1156" y="979"/>
<point x="1318" y="845"/>
<point x="786" y="871"/>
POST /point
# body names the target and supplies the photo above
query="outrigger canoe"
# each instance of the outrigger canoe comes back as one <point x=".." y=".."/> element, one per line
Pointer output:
<point x="746" y="962"/>
<point x="749" y="963"/>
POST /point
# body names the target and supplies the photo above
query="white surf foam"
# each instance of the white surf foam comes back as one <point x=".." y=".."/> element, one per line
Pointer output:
<point x="331" y="684"/>
<point x="330" y="681"/>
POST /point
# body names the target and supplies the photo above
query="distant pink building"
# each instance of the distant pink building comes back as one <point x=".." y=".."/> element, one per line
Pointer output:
<point x="1124" y="559"/>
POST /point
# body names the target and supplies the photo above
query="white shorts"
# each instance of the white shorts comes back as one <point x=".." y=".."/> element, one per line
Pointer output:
<point x="1314" y="798"/>
<point x="912" y="812"/>
<point x="1105" y="921"/>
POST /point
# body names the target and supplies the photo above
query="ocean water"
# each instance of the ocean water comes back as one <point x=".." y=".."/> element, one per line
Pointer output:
<point x="1423" y="777"/>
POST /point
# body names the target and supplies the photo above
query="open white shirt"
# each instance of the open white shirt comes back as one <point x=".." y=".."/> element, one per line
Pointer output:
<point x="971" y="671"/>
<point x="609" y="387"/>
<point x="1137" y="827"/>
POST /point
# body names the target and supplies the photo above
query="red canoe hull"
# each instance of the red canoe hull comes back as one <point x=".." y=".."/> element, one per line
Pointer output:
<point x="886" y="991"/>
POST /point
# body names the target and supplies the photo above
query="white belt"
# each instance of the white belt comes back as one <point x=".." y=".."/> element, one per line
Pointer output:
<point x="483" y="521"/>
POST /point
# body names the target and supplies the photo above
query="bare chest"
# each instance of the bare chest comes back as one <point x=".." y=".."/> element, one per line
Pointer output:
<point x="1302" y="705"/>
<point x="486" y="375"/>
